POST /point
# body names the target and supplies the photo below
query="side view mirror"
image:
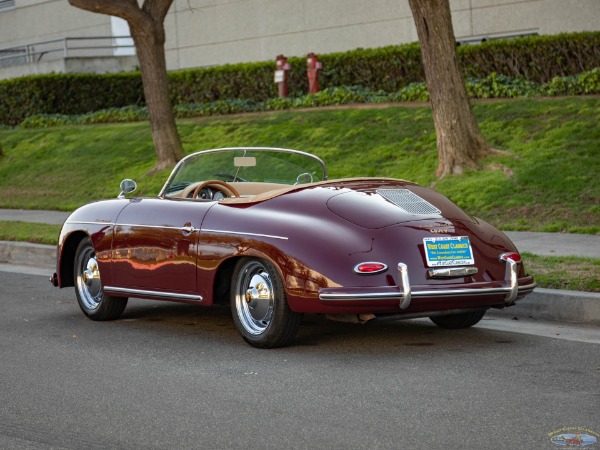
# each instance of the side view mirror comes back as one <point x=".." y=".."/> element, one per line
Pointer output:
<point x="127" y="187"/>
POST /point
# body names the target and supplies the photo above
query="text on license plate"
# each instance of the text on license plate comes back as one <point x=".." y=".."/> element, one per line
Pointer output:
<point x="448" y="251"/>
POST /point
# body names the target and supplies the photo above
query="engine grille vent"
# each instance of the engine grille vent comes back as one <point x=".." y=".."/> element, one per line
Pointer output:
<point x="409" y="202"/>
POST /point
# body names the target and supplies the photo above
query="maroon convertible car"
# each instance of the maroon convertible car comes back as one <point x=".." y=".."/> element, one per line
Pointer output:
<point x="265" y="230"/>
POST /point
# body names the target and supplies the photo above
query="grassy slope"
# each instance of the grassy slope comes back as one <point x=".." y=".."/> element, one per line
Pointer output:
<point x="38" y="233"/>
<point x="557" y="272"/>
<point x="553" y="151"/>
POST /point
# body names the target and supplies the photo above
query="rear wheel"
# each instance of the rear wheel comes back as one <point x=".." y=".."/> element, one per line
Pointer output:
<point x="259" y="306"/>
<point x="88" y="286"/>
<point x="456" y="321"/>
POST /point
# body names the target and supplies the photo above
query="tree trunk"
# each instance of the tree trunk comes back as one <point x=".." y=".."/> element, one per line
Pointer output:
<point x="147" y="30"/>
<point x="149" y="42"/>
<point x="459" y="141"/>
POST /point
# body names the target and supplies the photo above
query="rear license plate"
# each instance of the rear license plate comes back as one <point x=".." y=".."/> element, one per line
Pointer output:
<point x="448" y="251"/>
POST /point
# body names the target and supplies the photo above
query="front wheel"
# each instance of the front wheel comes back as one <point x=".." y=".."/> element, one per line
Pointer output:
<point x="88" y="286"/>
<point x="259" y="306"/>
<point x="456" y="321"/>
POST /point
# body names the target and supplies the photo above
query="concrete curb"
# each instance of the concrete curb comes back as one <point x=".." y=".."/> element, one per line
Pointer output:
<point x="557" y="305"/>
<point x="542" y="304"/>
<point x="27" y="254"/>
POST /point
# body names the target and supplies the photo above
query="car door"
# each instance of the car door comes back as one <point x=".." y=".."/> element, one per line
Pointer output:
<point x="154" y="249"/>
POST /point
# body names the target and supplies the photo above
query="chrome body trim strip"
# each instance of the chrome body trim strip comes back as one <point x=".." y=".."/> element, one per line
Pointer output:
<point x="440" y="293"/>
<point x="208" y="230"/>
<point x="527" y="287"/>
<point x="161" y="227"/>
<point x="144" y="293"/>
<point x="187" y="229"/>
<point x="358" y="297"/>
<point x="83" y="222"/>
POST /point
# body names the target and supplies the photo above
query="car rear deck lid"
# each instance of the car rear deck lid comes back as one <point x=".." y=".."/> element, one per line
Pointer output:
<point x="374" y="210"/>
<point x="409" y="202"/>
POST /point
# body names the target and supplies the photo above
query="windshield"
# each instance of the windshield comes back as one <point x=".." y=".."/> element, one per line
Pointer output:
<point x="257" y="165"/>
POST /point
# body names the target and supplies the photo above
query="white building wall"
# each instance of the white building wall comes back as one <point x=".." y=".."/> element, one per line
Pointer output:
<point x="547" y="16"/>
<point x="39" y="20"/>
<point x="224" y="31"/>
<point x="213" y="32"/>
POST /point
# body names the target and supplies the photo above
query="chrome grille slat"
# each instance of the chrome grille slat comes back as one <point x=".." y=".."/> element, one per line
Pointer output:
<point x="409" y="202"/>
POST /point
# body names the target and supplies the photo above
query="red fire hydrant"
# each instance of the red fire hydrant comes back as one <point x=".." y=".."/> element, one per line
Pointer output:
<point x="312" y="70"/>
<point x="282" y="67"/>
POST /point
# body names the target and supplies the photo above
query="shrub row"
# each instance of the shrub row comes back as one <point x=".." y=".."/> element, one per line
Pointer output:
<point x="67" y="94"/>
<point x="493" y="86"/>
<point x="537" y="59"/>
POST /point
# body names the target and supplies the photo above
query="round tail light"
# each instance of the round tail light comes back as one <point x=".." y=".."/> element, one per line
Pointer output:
<point x="370" y="268"/>
<point x="512" y="256"/>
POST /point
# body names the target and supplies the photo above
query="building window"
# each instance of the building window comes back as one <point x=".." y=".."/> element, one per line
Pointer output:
<point x="6" y="4"/>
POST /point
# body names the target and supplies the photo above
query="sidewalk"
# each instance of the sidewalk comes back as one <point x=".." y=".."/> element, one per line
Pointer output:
<point x="556" y="244"/>
<point x="25" y="215"/>
<point x="545" y="304"/>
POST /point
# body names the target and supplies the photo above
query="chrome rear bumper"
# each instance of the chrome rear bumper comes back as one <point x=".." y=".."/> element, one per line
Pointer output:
<point x="404" y="294"/>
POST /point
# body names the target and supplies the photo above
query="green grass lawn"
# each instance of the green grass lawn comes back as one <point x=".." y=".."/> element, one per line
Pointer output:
<point x="558" y="272"/>
<point x="38" y="233"/>
<point x="548" y="180"/>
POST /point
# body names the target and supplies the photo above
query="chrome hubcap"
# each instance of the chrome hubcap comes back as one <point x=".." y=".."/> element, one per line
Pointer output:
<point x="89" y="284"/>
<point x="254" y="298"/>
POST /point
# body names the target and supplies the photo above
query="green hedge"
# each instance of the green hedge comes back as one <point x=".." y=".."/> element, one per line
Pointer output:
<point x="536" y="59"/>
<point x="492" y="86"/>
<point x="67" y="94"/>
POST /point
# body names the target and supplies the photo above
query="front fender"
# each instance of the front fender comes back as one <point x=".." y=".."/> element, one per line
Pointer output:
<point x="97" y="221"/>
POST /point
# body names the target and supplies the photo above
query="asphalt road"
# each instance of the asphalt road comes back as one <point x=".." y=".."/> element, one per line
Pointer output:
<point x="178" y="376"/>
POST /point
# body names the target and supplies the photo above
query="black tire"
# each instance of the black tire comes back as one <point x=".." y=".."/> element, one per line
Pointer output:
<point x="259" y="306"/>
<point x="456" y="321"/>
<point x="88" y="286"/>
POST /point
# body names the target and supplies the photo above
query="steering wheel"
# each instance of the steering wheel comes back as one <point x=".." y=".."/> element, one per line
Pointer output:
<point x="304" y="176"/>
<point x="229" y="190"/>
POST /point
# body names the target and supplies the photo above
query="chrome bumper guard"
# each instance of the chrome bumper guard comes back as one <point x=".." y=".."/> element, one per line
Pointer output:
<point x="406" y="295"/>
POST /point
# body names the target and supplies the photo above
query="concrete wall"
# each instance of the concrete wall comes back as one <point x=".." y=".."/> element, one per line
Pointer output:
<point x="209" y="32"/>
<point x="212" y="32"/>
<point x="72" y="65"/>
<point x="40" y="20"/>
<point x="35" y="21"/>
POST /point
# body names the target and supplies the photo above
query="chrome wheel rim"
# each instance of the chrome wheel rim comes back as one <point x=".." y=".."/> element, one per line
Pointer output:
<point x="254" y="298"/>
<point x="89" y="285"/>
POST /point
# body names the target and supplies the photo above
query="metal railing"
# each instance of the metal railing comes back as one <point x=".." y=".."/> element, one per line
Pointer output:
<point x="490" y="37"/>
<point x="67" y="47"/>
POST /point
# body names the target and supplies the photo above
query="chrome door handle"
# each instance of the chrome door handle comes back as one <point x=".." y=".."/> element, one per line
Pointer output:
<point x="188" y="229"/>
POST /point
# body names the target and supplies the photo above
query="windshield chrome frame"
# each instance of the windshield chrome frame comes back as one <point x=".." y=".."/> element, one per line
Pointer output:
<point x="229" y="149"/>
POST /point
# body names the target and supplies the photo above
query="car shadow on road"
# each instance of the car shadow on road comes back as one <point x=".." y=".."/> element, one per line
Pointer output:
<point x="317" y="334"/>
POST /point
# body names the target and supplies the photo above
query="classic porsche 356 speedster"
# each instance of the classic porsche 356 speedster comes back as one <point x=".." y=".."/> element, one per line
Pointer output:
<point x="264" y="230"/>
